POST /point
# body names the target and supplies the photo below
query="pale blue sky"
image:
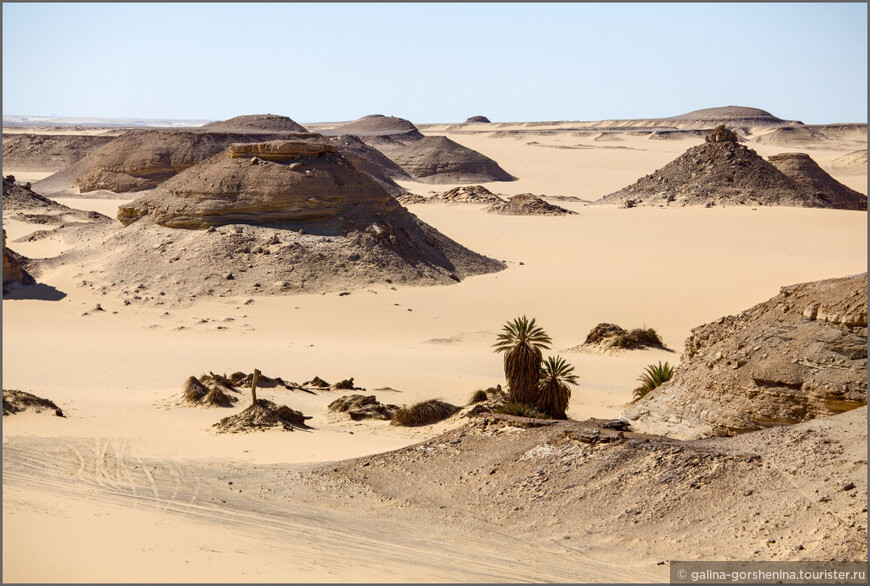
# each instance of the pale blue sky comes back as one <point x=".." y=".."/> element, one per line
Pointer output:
<point x="434" y="62"/>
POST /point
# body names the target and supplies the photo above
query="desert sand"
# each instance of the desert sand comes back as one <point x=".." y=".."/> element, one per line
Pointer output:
<point x="127" y="476"/>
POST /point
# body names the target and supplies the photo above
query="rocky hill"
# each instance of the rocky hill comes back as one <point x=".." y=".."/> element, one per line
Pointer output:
<point x="282" y="217"/>
<point x="437" y="159"/>
<point x="378" y="125"/>
<point x="731" y="116"/>
<point x="251" y="123"/>
<point x="798" y="356"/>
<point x="806" y="172"/>
<point x="477" y="120"/>
<point x="719" y="172"/>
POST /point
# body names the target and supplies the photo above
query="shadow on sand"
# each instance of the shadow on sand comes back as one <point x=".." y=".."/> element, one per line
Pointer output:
<point x="39" y="291"/>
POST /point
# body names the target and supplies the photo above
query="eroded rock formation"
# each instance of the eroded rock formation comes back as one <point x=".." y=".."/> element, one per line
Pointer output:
<point x="797" y="356"/>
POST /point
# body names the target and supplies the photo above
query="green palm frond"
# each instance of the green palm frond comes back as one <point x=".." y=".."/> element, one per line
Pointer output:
<point x="553" y="394"/>
<point x="522" y="331"/>
<point x="653" y="377"/>
<point x="555" y="369"/>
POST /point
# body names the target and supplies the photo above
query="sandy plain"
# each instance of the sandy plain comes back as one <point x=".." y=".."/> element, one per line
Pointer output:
<point x="129" y="488"/>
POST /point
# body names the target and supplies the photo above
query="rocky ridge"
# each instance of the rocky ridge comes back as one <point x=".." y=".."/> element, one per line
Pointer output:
<point x="798" y="356"/>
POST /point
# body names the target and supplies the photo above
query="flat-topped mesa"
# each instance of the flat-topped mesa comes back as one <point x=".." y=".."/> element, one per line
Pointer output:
<point x="264" y="183"/>
<point x="278" y="150"/>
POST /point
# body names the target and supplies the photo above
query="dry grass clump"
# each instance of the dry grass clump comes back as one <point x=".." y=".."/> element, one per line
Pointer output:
<point x="193" y="390"/>
<point x="18" y="401"/>
<point x="424" y="413"/>
<point x="208" y="391"/>
<point x="479" y="396"/>
<point x="262" y="415"/>
<point x="637" y="337"/>
<point x="613" y="336"/>
<point x="520" y="410"/>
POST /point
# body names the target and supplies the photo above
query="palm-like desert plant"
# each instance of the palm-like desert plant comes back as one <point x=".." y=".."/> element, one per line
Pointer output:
<point x="652" y="377"/>
<point x="553" y="391"/>
<point x="522" y="341"/>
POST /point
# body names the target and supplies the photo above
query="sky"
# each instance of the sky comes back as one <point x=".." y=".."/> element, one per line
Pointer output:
<point x="434" y="62"/>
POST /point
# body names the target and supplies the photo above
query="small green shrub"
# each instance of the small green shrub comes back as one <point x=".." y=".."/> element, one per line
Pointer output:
<point x="653" y="376"/>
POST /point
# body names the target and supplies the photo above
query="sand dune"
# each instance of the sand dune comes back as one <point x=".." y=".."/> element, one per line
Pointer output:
<point x="150" y="479"/>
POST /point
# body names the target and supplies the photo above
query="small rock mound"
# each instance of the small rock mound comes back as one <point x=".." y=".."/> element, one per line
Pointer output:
<point x="255" y="123"/>
<point x="805" y="171"/>
<point x="472" y="194"/>
<point x="477" y="120"/>
<point x="360" y="407"/>
<point x="410" y="199"/>
<point x="527" y="205"/>
<point x="437" y="159"/>
<point x="17" y="401"/>
<point x="262" y="415"/>
<point x="798" y="356"/>
<point x="717" y="173"/>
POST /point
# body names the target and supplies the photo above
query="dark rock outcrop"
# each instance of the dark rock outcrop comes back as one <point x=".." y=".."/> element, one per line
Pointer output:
<point x="477" y="120"/>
